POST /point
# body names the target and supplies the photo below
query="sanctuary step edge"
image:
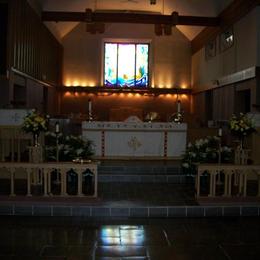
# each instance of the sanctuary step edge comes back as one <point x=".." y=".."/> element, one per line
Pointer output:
<point x="142" y="171"/>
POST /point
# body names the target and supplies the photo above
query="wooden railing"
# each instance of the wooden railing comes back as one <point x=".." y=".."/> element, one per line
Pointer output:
<point x="228" y="176"/>
<point x="43" y="174"/>
<point x="14" y="143"/>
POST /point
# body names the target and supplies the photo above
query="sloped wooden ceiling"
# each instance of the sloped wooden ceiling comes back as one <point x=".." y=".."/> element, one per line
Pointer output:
<point x="206" y="8"/>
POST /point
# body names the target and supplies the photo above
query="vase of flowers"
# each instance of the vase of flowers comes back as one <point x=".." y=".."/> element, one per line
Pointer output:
<point x="241" y="126"/>
<point x="35" y="123"/>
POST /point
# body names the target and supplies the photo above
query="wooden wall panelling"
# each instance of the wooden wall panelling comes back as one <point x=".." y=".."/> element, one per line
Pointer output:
<point x="14" y="13"/>
<point x="256" y="102"/>
<point x="223" y="103"/>
<point x="217" y="102"/>
<point x="3" y="38"/>
<point x="27" y="48"/>
<point x="229" y="97"/>
<point x="13" y="17"/>
<point x="34" y="49"/>
<point x="199" y="106"/>
<point x="235" y="11"/>
<point x="20" y="37"/>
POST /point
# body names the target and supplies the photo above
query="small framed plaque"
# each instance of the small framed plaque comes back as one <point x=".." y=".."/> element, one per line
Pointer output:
<point x="226" y="39"/>
<point x="210" y="49"/>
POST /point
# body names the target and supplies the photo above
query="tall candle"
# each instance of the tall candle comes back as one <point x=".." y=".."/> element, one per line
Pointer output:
<point x="220" y="132"/>
<point x="57" y="127"/>
<point x="89" y="107"/>
<point x="178" y="106"/>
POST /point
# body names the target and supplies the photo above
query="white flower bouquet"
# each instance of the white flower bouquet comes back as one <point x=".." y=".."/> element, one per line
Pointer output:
<point x="35" y="123"/>
<point x="241" y="125"/>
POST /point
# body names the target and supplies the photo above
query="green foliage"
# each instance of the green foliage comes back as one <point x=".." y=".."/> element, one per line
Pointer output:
<point x="204" y="151"/>
<point x="70" y="147"/>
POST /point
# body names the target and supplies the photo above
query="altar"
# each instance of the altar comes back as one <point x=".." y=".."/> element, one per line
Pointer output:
<point x="136" y="139"/>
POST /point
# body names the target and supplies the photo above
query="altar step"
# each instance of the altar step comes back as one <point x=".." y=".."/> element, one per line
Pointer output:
<point x="142" y="171"/>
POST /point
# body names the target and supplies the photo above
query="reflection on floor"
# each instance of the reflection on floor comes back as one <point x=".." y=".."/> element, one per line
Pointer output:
<point x="154" y="239"/>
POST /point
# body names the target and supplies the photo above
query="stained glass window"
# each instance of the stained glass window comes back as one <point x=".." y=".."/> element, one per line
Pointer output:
<point x="126" y="64"/>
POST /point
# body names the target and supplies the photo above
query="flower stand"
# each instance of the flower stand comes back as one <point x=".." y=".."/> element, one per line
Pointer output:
<point x="241" y="156"/>
<point x="36" y="156"/>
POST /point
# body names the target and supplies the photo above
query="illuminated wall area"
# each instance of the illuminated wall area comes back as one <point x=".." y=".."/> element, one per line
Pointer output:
<point x="119" y="106"/>
<point x="87" y="64"/>
<point x="169" y="62"/>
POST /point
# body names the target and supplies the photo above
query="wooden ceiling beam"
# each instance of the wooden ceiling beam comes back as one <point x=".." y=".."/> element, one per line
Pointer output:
<point x="233" y="13"/>
<point x="122" y="17"/>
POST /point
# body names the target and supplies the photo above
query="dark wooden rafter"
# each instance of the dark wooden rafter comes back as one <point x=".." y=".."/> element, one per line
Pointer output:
<point x="122" y="17"/>
<point x="234" y="12"/>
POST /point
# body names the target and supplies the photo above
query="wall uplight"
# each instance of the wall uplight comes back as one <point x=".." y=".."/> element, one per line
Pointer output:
<point x="75" y="83"/>
<point x="68" y="83"/>
<point x="67" y="94"/>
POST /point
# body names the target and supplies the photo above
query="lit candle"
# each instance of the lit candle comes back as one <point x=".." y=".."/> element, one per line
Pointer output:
<point x="220" y="132"/>
<point x="178" y="106"/>
<point x="57" y="127"/>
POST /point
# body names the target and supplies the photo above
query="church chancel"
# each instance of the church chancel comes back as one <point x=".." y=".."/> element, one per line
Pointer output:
<point x="134" y="138"/>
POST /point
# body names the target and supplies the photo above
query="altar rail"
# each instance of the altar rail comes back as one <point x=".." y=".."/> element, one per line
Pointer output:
<point x="41" y="174"/>
<point x="233" y="179"/>
<point x="14" y="143"/>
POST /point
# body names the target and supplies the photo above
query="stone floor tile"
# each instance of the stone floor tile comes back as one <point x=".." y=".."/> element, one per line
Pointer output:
<point x="109" y="231"/>
<point x="162" y="252"/>
<point x="109" y="241"/>
<point x="120" y="251"/>
<point x="80" y="251"/>
<point x="242" y="252"/>
<point x="51" y="258"/>
<point x="54" y="251"/>
<point x="153" y="239"/>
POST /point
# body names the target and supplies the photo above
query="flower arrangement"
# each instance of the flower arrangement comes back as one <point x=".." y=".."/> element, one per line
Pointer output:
<point x="35" y="123"/>
<point x="177" y="118"/>
<point x="241" y="125"/>
<point x="204" y="151"/>
<point x="70" y="147"/>
<point x="151" y="116"/>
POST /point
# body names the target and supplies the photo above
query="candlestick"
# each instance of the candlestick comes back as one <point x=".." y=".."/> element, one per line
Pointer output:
<point x="89" y="107"/>
<point x="57" y="127"/>
<point x="220" y="132"/>
<point x="178" y="106"/>
<point x="89" y="110"/>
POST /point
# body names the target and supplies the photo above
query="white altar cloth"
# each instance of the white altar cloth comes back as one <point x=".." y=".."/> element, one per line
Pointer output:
<point x="136" y="139"/>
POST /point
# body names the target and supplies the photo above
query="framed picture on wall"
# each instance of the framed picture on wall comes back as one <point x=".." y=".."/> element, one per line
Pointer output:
<point x="210" y="49"/>
<point x="226" y="39"/>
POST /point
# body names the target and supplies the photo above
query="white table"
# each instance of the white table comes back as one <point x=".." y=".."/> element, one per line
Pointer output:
<point x="136" y="139"/>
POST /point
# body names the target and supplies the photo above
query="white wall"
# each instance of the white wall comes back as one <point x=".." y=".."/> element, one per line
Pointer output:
<point x="242" y="55"/>
<point x="171" y="55"/>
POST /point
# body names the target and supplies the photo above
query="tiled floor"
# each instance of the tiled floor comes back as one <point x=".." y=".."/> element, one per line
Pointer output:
<point x="110" y="239"/>
<point x="138" y="194"/>
<point x="147" y="194"/>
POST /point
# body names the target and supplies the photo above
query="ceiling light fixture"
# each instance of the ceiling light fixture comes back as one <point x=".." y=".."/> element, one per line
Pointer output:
<point x="152" y="2"/>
